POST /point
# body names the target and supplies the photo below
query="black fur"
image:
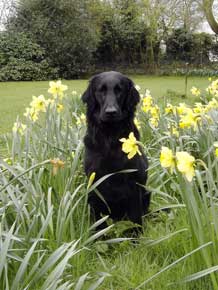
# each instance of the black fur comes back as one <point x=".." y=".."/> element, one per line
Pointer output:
<point x="111" y="100"/>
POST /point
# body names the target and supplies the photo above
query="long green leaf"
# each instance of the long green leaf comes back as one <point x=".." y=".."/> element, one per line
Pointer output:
<point x="81" y="281"/>
<point x="200" y="274"/>
<point x="5" y="247"/>
<point x="50" y="262"/>
<point x="23" y="267"/>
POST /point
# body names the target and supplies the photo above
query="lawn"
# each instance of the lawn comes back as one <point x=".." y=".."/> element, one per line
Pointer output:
<point x="15" y="96"/>
<point x="46" y="237"/>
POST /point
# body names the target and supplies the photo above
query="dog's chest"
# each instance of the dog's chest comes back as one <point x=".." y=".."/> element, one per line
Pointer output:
<point x="113" y="161"/>
<point x="104" y="162"/>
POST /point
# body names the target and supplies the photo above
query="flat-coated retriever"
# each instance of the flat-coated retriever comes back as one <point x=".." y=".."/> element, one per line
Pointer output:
<point x="111" y="100"/>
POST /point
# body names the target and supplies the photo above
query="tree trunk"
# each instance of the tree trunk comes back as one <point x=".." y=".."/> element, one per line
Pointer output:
<point x="208" y="10"/>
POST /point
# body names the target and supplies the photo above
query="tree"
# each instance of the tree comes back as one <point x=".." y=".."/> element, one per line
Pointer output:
<point x="65" y="29"/>
<point x="180" y="45"/>
<point x="186" y="46"/>
<point x="209" y="13"/>
<point x="122" y="34"/>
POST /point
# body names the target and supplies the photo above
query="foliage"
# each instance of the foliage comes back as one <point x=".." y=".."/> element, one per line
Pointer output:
<point x="64" y="30"/>
<point x="203" y="44"/>
<point x="125" y="36"/>
<point x="22" y="59"/>
<point x="122" y="35"/>
<point x="80" y="37"/>
<point x="186" y="46"/>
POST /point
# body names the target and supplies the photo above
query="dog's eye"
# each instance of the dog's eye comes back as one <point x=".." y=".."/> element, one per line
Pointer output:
<point x="117" y="89"/>
<point x="103" y="89"/>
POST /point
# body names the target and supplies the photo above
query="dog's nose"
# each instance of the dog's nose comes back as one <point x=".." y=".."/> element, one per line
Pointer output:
<point x="111" y="111"/>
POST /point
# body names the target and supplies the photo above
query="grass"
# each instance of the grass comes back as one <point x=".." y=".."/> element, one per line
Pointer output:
<point x="46" y="239"/>
<point x="16" y="96"/>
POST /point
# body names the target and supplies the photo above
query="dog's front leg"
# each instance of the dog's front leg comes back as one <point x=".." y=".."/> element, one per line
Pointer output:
<point x="134" y="211"/>
<point x="97" y="209"/>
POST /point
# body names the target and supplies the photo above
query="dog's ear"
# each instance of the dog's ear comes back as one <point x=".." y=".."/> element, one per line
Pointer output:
<point x="85" y="95"/>
<point x="133" y="96"/>
<point x="88" y="95"/>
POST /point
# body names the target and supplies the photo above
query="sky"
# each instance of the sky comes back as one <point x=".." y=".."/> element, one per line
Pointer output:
<point x="205" y="27"/>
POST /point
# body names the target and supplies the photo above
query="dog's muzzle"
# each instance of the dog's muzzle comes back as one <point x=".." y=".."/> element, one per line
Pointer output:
<point x="111" y="114"/>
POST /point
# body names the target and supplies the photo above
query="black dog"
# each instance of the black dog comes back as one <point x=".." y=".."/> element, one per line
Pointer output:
<point x="111" y="100"/>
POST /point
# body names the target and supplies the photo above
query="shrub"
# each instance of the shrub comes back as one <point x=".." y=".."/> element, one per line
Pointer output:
<point x="22" y="59"/>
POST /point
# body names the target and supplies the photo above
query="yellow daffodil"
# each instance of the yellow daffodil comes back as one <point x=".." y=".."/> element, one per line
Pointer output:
<point x="190" y="119"/>
<point x="170" y="109"/>
<point x="81" y="120"/>
<point x="147" y="102"/>
<point x="154" y="122"/>
<point x="57" y="163"/>
<point x="137" y="123"/>
<point x="199" y="108"/>
<point x="167" y="159"/>
<point x="155" y="112"/>
<point x="215" y="144"/>
<point x="213" y="104"/>
<point x="19" y="128"/>
<point x="130" y="146"/>
<point x="182" y="109"/>
<point x="78" y="121"/>
<point x="149" y="108"/>
<point x="50" y="102"/>
<point x="155" y="116"/>
<point x="39" y="103"/>
<point x="32" y="114"/>
<point x="138" y="88"/>
<point x="185" y="164"/>
<point x="213" y="88"/>
<point x="196" y="92"/>
<point x="175" y="132"/>
<point x="57" y="89"/>
<point x="60" y="108"/>
<point x="91" y="179"/>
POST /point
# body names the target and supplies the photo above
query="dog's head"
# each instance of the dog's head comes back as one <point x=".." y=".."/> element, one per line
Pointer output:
<point x="111" y="97"/>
